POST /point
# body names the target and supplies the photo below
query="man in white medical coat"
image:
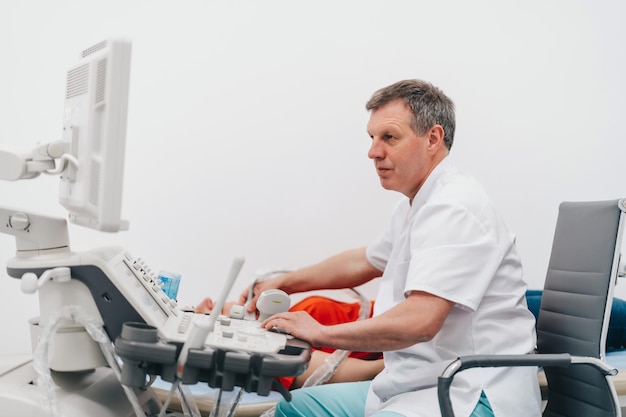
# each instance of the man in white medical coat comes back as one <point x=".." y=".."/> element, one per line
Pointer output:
<point x="451" y="282"/>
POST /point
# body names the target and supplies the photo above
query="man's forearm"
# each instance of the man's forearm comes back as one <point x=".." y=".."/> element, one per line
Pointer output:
<point x="345" y="270"/>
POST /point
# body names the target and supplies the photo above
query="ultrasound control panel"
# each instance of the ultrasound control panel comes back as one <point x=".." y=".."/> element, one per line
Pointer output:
<point x="143" y="289"/>
<point x="228" y="333"/>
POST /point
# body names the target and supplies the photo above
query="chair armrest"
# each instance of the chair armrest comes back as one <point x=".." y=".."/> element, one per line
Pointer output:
<point x="488" y="361"/>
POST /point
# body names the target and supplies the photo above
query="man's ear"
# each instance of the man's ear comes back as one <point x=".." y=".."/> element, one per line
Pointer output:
<point x="435" y="138"/>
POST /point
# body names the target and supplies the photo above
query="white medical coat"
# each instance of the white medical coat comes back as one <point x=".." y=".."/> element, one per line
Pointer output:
<point x="450" y="242"/>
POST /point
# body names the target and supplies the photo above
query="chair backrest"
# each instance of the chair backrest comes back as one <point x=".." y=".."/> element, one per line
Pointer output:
<point x="576" y="304"/>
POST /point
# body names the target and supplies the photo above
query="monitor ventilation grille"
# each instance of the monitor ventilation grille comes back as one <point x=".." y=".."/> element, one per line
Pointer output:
<point x="94" y="183"/>
<point x="77" y="81"/>
<point x="101" y="76"/>
<point x="95" y="48"/>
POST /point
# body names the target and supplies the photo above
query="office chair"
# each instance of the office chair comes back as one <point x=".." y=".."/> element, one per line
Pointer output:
<point x="573" y="317"/>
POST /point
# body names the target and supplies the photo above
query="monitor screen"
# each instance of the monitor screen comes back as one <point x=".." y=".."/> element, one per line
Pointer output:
<point x="94" y="134"/>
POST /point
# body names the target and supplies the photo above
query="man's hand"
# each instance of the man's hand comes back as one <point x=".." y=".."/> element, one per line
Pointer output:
<point x="259" y="287"/>
<point x="298" y="324"/>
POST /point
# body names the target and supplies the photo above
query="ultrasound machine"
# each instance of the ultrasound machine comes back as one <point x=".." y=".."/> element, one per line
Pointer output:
<point x="106" y="330"/>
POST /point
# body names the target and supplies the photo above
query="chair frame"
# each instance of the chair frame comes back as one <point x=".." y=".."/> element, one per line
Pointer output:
<point x="577" y="365"/>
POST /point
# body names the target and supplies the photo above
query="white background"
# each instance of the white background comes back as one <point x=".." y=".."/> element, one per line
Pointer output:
<point x="246" y="132"/>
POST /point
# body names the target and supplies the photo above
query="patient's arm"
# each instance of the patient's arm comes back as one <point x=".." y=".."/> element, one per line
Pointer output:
<point x="207" y="304"/>
<point x="350" y="369"/>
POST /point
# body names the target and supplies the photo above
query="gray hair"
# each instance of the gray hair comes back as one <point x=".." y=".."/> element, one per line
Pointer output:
<point x="429" y="105"/>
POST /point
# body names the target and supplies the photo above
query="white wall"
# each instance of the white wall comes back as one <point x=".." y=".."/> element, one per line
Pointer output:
<point x="247" y="134"/>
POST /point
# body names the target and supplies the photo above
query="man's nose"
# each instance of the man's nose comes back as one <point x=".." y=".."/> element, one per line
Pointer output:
<point x="376" y="150"/>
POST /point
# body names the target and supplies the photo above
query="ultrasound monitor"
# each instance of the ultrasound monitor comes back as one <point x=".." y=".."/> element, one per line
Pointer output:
<point x="94" y="136"/>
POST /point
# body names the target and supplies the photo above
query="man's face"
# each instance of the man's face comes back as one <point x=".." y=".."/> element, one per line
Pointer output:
<point x="403" y="160"/>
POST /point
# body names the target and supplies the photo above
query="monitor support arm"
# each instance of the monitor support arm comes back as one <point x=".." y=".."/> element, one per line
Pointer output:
<point x="26" y="165"/>
<point x="34" y="232"/>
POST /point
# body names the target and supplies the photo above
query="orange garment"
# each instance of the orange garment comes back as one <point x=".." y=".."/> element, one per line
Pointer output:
<point x="328" y="312"/>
